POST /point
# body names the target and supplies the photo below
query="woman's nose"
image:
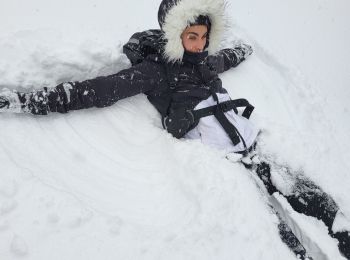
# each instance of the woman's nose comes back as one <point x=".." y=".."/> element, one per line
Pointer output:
<point x="198" y="47"/>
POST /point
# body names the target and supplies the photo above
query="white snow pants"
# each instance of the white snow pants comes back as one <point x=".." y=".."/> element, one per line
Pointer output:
<point x="211" y="133"/>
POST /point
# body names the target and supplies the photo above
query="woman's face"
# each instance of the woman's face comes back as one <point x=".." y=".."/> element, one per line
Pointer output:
<point x="194" y="38"/>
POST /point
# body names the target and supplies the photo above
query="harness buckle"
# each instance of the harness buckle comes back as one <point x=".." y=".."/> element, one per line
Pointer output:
<point x="224" y="106"/>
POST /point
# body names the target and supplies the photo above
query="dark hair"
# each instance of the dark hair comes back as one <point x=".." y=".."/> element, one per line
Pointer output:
<point x="202" y="20"/>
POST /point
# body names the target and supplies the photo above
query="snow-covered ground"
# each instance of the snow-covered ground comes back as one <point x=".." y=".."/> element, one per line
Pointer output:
<point x="111" y="184"/>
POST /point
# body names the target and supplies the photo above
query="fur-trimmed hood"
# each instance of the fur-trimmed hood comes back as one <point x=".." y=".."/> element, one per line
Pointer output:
<point x="175" y="15"/>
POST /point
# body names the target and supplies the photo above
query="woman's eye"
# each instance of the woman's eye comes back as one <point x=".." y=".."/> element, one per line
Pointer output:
<point x="192" y="38"/>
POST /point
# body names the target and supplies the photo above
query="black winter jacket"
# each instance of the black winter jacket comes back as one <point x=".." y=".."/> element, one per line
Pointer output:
<point x="173" y="88"/>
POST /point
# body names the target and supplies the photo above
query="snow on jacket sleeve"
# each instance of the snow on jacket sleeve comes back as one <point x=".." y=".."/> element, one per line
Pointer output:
<point x="98" y="92"/>
<point x="229" y="58"/>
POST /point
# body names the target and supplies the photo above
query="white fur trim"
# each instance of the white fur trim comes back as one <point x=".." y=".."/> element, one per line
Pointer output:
<point x="185" y="12"/>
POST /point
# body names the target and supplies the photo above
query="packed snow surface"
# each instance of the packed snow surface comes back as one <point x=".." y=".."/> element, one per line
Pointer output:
<point x="112" y="184"/>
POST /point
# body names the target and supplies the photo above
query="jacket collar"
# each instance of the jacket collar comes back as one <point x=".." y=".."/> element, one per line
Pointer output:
<point x="194" y="58"/>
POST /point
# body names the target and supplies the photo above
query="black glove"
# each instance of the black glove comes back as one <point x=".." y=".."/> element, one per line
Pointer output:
<point x="9" y="101"/>
<point x="178" y="122"/>
<point x="242" y="50"/>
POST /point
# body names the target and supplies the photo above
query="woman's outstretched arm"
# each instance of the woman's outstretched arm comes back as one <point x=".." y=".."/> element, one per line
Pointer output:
<point x="229" y="58"/>
<point x="98" y="92"/>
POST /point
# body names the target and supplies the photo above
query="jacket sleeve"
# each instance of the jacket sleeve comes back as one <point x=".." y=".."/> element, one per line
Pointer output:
<point x="98" y="92"/>
<point x="229" y="58"/>
<point x="105" y="91"/>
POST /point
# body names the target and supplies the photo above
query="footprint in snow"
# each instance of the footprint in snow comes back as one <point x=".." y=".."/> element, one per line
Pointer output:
<point x="7" y="206"/>
<point x="53" y="218"/>
<point x="19" y="246"/>
<point x="115" y="224"/>
<point x="83" y="217"/>
<point x="8" y="189"/>
<point x="4" y="225"/>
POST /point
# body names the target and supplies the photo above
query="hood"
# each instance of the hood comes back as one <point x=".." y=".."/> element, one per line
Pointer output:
<point x="175" y="15"/>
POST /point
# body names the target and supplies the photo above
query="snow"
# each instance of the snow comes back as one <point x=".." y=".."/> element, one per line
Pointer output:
<point x="111" y="184"/>
<point x="341" y="223"/>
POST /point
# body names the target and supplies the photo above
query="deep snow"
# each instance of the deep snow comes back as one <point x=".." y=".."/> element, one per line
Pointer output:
<point x="111" y="184"/>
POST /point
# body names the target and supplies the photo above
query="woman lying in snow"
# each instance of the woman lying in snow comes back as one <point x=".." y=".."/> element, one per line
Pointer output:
<point x="177" y="68"/>
<point x="181" y="77"/>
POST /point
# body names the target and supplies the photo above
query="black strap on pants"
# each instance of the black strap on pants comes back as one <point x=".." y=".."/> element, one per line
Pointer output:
<point x="225" y="107"/>
<point x="219" y="112"/>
